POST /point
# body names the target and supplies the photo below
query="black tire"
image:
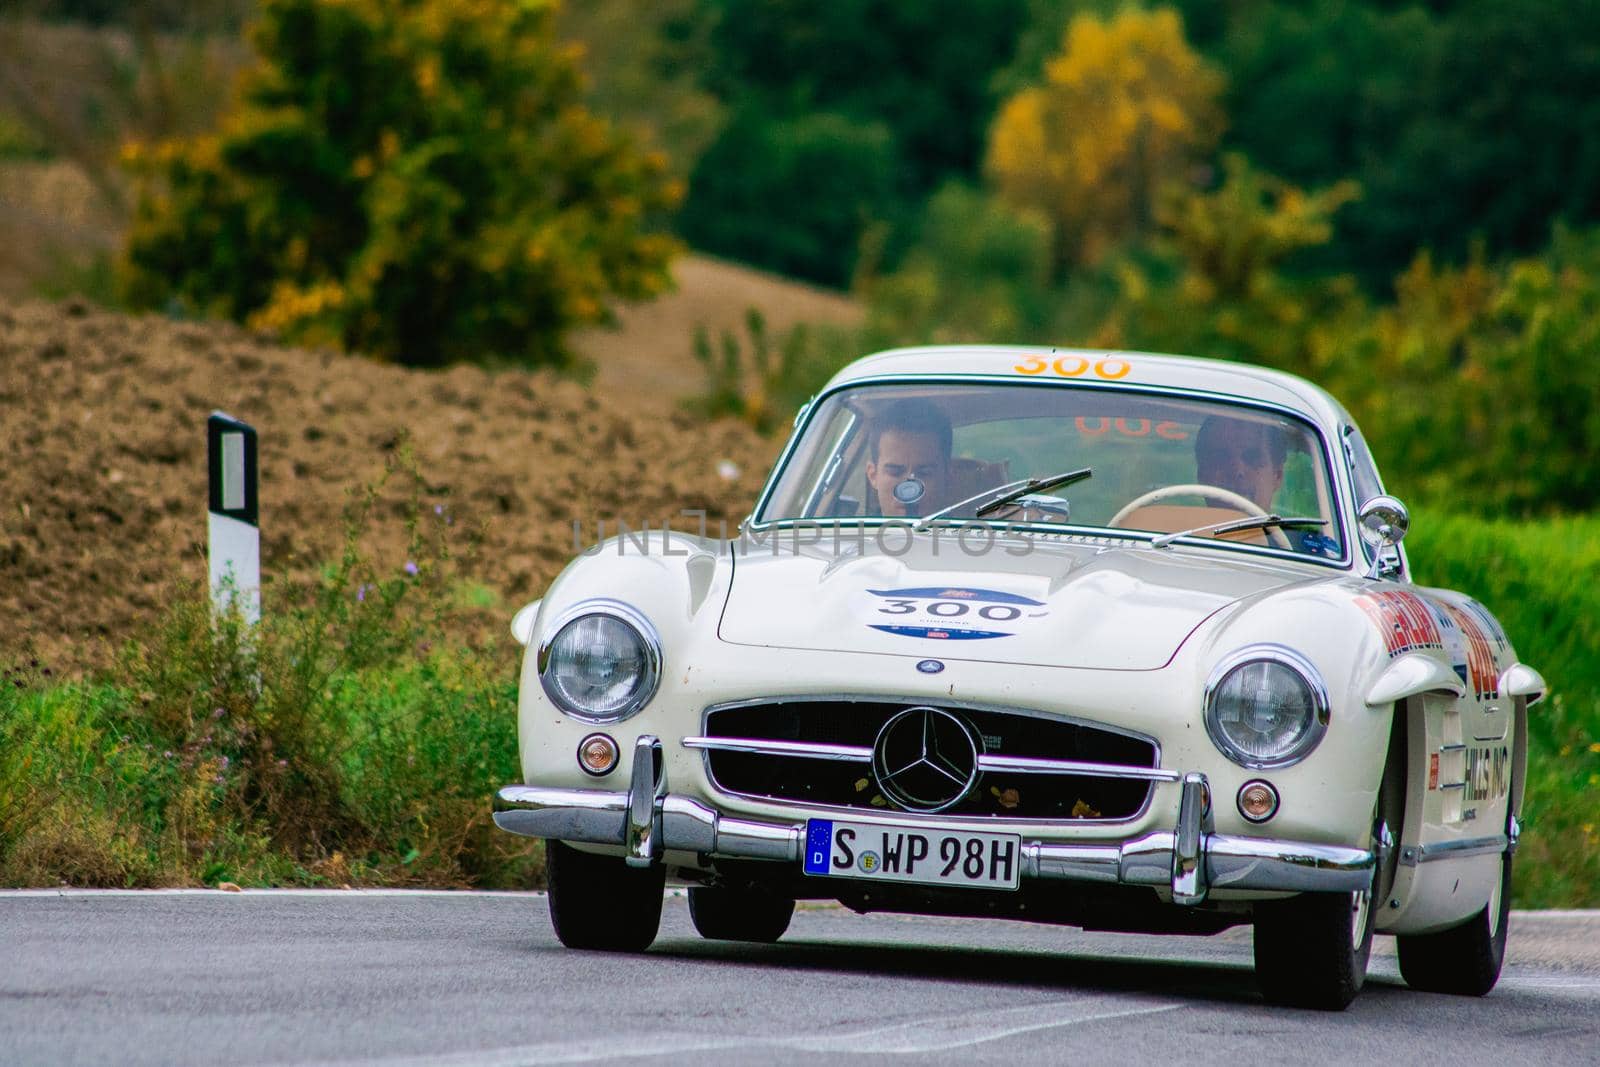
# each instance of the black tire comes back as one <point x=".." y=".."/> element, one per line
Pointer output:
<point x="724" y="914"/>
<point x="1463" y="960"/>
<point x="599" y="902"/>
<point x="1312" y="950"/>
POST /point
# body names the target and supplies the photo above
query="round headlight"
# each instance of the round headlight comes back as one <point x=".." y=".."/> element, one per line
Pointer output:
<point x="1266" y="707"/>
<point x="602" y="664"/>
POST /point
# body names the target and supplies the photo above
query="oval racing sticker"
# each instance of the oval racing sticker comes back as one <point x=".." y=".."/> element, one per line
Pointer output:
<point x="943" y="613"/>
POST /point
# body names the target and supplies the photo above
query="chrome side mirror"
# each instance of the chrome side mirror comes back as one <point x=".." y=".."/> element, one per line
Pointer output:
<point x="1384" y="522"/>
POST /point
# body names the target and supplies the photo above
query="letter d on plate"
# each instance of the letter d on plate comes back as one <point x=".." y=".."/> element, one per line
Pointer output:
<point x="819" y="845"/>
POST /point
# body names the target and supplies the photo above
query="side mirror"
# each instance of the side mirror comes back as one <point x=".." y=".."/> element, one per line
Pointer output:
<point x="1384" y="522"/>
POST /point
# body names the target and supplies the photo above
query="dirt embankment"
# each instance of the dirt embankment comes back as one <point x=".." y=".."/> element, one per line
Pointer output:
<point x="102" y="464"/>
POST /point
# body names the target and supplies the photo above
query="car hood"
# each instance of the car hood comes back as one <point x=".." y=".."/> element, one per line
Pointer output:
<point x="1060" y="604"/>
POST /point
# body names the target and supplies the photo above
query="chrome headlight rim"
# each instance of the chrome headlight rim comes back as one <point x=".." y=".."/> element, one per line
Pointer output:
<point x="624" y="613"/>
<point x="1285" y="657"/>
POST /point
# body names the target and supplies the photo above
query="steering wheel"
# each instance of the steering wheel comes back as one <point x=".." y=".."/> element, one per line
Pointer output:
<point x="1275" y="534"/>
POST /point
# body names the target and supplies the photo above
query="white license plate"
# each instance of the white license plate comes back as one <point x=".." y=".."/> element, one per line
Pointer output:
<point x="912" y="854"/>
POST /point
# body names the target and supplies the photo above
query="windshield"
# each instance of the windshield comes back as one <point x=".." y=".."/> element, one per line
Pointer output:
<point x="1161" y="464"/>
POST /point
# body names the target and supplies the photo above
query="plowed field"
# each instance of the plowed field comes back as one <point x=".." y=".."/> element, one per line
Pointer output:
<point x="103" y="480"/>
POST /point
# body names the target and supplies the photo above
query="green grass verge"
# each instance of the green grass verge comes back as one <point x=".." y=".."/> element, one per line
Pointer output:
<point x="1542" y="581"/>
<point x="352" y="737"/>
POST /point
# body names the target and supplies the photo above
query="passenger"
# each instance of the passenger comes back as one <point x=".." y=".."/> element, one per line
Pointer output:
<point x="1241" y="456"/>
<point x="909" y="451"/>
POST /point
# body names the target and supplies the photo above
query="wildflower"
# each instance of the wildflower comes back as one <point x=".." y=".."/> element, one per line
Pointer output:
<point x="411" y="567"/>
<point x="1595" y="747"/>
<point x="167" y="754"/>
<point x="361" y="593"/>
<point x="225" y="762"/>
<point x="438" y="509"/>
<point x="217" y="713"/>
<point x="283" y="763"/>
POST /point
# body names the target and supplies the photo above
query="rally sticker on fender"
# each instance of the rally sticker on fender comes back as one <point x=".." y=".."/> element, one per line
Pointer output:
<point x="944" y="613"/>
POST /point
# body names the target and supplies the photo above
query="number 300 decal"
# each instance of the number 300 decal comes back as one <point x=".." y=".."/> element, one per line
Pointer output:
<point x="943" y="614"/>
<point x="1110" y="369"/>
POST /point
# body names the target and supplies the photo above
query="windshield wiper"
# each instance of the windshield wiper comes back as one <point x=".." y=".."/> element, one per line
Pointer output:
<point x="1008" y="493"/>
<point x="1037" y="485"/>
<point x="1254" y="522"/>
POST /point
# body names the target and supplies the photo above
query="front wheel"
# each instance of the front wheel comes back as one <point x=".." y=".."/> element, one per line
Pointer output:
<point x="726" y="914"/>
<point x="1312" y="950"/>
<point x="1464" y="960"/>
<point x="599" y="902"/>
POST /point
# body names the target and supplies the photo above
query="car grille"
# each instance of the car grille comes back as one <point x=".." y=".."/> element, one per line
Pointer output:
<point x="996" y="793"/>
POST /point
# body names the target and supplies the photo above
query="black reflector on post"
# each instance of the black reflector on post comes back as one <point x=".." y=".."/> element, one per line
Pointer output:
<point x="235" y="512"/>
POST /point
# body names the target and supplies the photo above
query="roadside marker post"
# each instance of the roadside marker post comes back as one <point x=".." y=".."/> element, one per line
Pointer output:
<point x="234" y="542"/>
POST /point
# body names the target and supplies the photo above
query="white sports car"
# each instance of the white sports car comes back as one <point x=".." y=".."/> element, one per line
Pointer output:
<point x="1115" y="640"/>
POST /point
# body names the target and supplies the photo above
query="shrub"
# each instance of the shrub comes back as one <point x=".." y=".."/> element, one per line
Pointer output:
<point x="763" y="387"/>
<point x="417" y="179"/>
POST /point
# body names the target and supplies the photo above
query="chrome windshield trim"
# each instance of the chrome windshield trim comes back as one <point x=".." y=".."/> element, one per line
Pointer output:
<point x="764" y="747"/>
<point x="1342" y="509"/>
<point x="1031" y="765"/>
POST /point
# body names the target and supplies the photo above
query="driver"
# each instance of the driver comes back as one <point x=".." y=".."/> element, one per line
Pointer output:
<point x="909" y="447"/>
<point x="1242" y="456"/>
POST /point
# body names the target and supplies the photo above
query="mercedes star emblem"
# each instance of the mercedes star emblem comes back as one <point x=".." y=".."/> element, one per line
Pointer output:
<point x="926" y="759"/>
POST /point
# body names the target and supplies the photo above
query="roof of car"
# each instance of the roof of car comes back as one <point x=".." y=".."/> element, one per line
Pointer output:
<point x="1094" y="367"/>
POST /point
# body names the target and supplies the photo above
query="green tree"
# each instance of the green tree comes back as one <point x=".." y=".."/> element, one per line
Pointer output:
<point x="1463" y="121"/>
<point x="922" y="69"/>
<point x="793" y="196"/>
<point x="901" y="90"/>
<point x="417" y="179"/>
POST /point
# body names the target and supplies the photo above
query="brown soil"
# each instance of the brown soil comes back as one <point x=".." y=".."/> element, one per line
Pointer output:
<point x="102" y="465"/>
<point x="652" y="353"/>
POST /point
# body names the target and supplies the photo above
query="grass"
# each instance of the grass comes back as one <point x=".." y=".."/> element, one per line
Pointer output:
<point x="1542" y="581"/>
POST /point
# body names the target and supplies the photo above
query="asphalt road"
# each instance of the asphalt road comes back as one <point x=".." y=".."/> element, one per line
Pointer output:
<point x="479" y="979"/>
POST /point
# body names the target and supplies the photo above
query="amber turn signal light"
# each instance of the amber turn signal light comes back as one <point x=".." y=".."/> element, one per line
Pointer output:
<point x="597" y="754"/>
<point x="1258" y="801"/>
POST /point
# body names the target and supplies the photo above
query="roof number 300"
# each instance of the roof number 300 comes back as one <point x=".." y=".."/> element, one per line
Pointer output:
<point x="1075" y="367"/>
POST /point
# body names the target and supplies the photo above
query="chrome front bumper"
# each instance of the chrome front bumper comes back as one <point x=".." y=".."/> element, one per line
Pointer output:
<point x="1189" y="859"/>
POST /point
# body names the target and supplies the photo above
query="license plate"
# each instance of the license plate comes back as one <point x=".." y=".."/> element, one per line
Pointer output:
<point x="904" y="854"/>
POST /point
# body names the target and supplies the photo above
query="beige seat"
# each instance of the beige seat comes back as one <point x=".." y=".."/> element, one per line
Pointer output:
<point x="1170" y="518"/>
<point x="969" y="476"/>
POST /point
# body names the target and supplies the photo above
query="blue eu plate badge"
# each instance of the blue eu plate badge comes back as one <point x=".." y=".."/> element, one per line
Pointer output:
<point x="819" y="845"/>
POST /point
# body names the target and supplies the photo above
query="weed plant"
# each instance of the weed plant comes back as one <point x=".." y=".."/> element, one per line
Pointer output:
<point x="347" y="738"/>
<point x="763" y="384"/>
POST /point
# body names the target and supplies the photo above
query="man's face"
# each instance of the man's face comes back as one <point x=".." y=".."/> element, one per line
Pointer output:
<point x="905" y="455"/>
<point x="1237" y="457"/>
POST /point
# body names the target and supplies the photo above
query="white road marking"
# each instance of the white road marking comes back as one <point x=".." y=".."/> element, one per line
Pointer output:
<point x="916" y="1037"/>
<point x="976" y="1028"/>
